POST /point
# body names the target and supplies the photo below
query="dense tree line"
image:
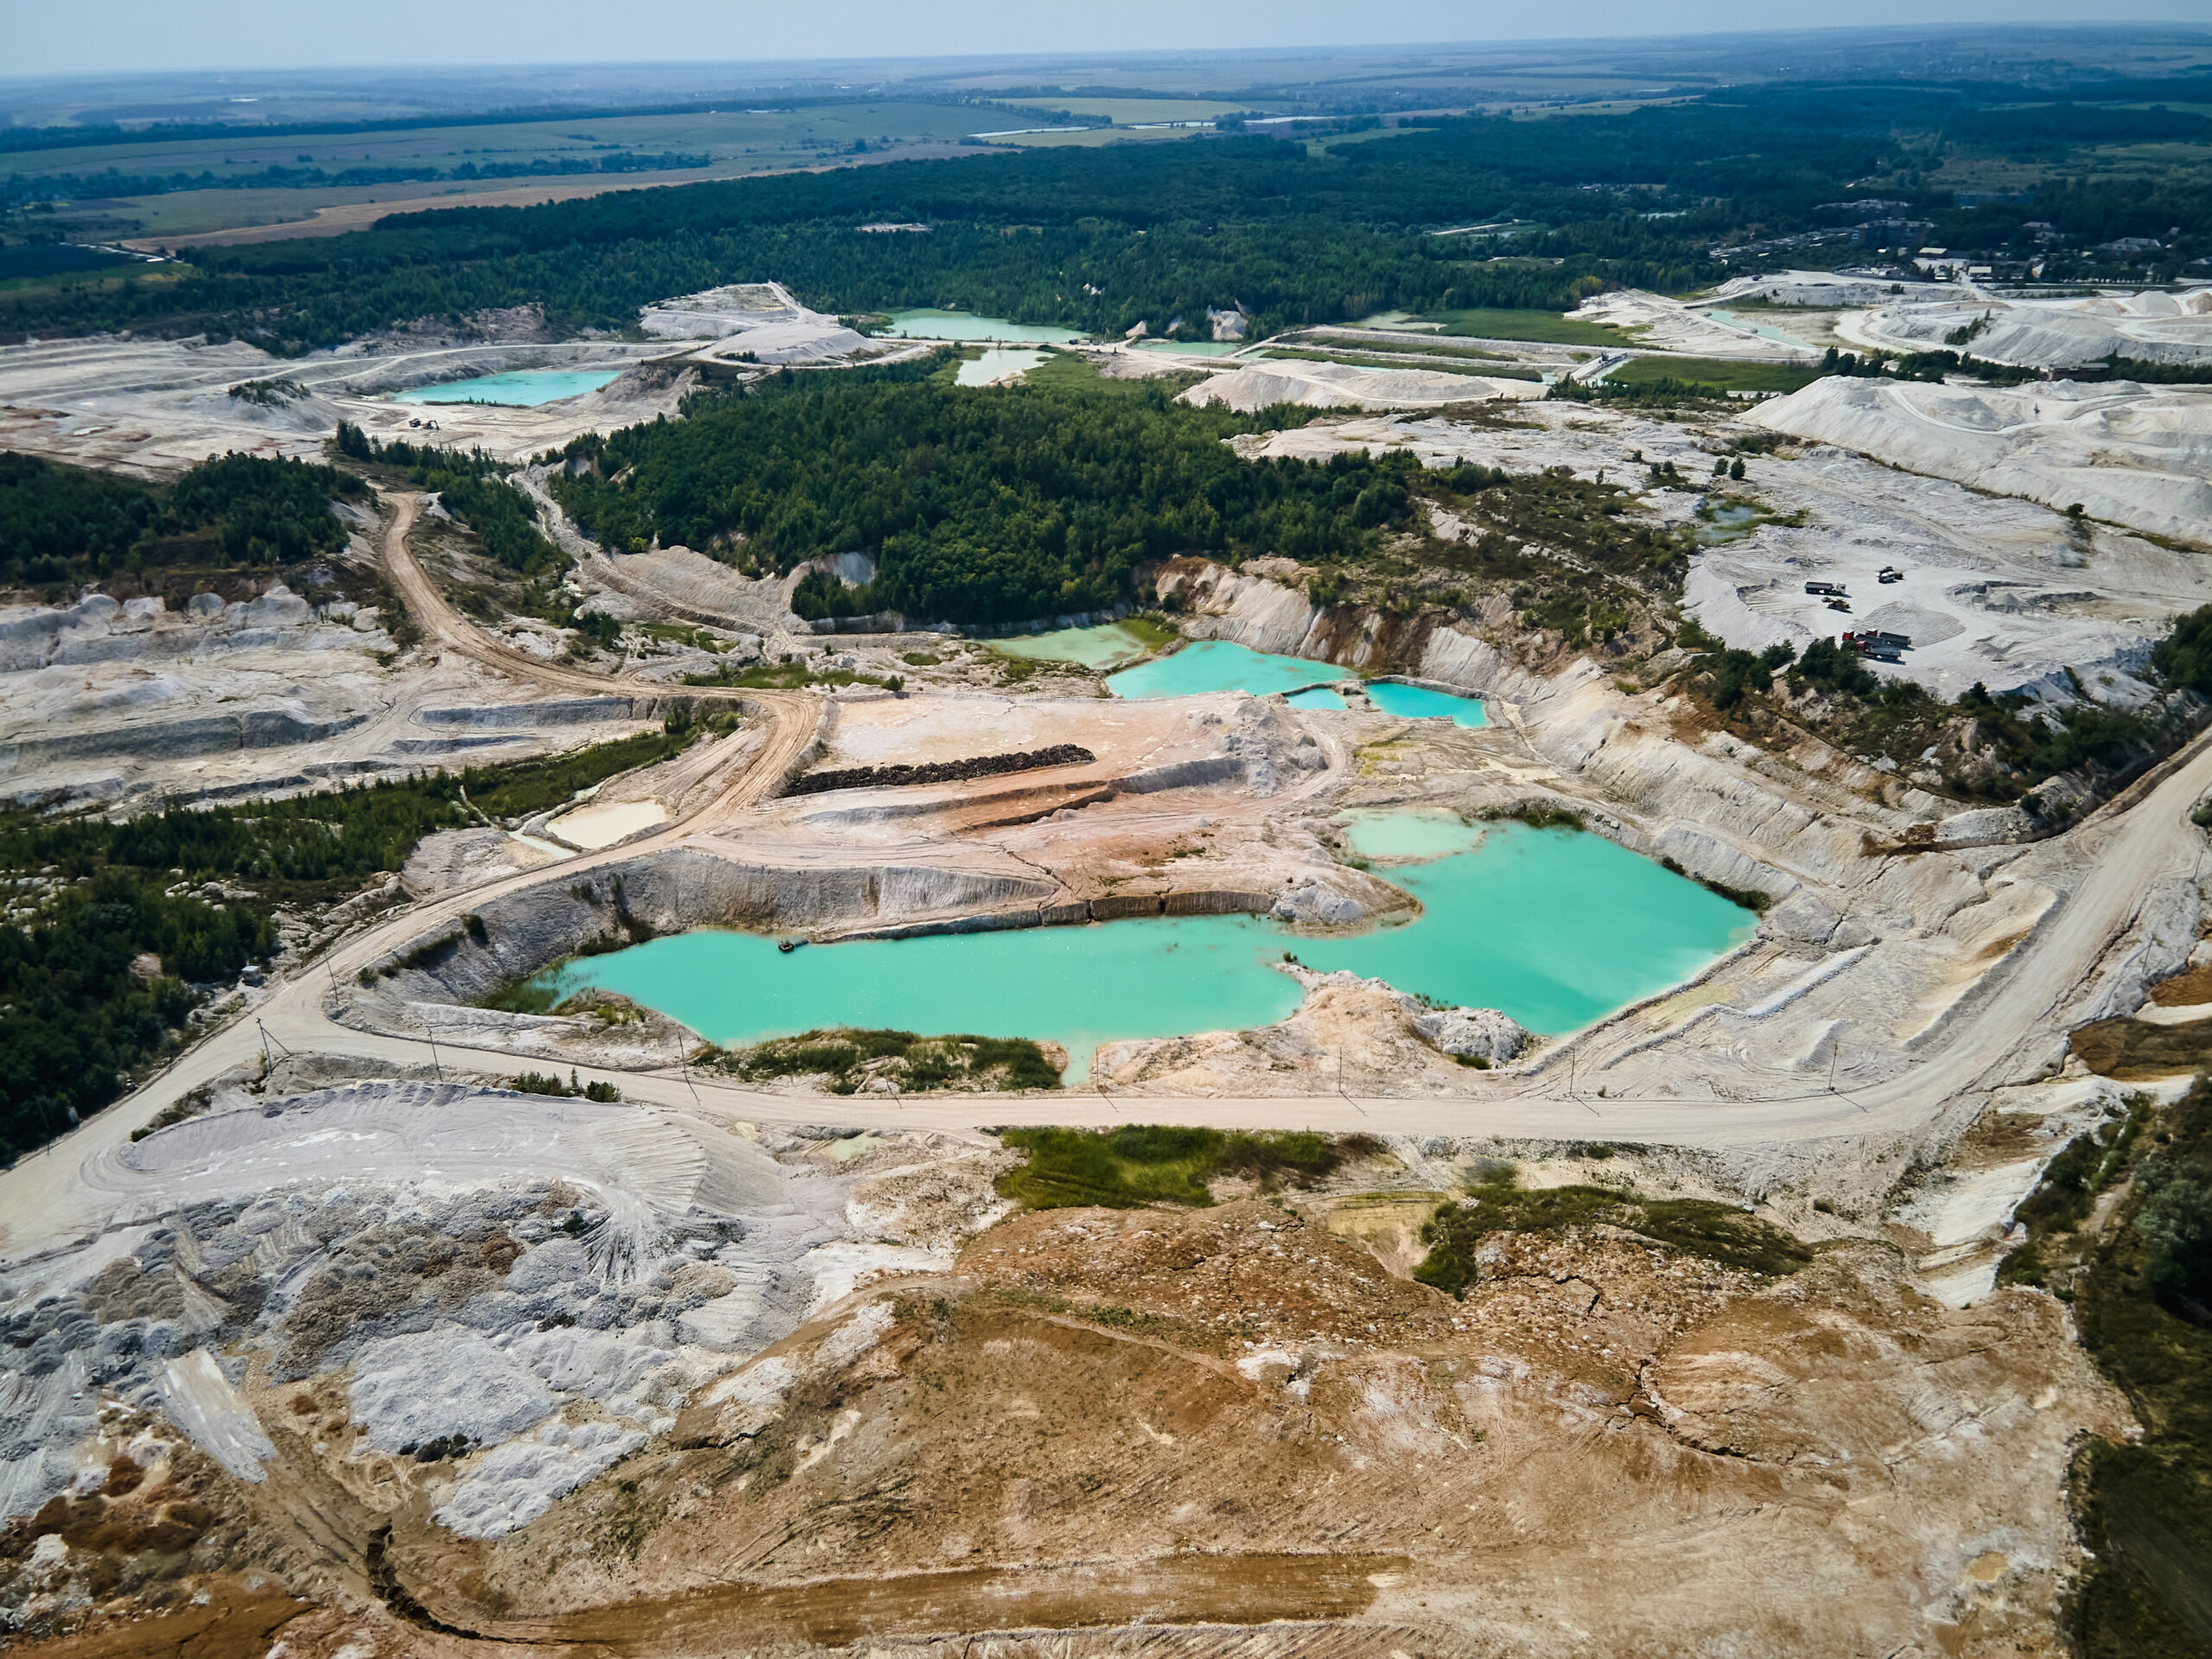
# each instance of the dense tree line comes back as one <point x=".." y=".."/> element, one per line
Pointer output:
<point x="74" y="1015"/>
<point x="64" y="524"/>
<point x="1104" y="238"/>
<point x="502" y="516"/>
<point x="77" y="1017"/>
<point x="982" y="506"/>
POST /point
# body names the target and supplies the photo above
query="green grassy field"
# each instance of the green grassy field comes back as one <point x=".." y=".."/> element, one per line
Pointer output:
<point x="1127" y="111"/>
<point x="1544" y="327"/>
<point x="1715" y="372"/>
<point x="721" y="134"/>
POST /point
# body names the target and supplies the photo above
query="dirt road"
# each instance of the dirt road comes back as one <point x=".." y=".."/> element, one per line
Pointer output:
<point x="2128" y="852"/>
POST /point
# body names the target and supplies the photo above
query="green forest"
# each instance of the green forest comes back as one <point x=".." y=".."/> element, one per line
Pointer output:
<point x="986" y="505"/>
<point x="66" y="525"/>
<point x="1104" y="237"/>
<point x="77" y="1018"/>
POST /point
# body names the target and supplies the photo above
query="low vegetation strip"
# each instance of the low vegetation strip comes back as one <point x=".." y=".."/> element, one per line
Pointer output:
<point x="850" y="1060"/>
<point x="1126" y="1168"/>
<point x="2143" y="1304"/>
<point x="942" y="772"/>
<point x="1719" y="1232"/>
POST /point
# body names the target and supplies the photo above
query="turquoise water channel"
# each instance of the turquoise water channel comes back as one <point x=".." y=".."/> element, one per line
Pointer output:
<point x="1418" y="702"/>
<point x="964" y="325"/>
<point x="1554" y="927"/>
<point x="522" y="389"/>
<point x="1217" y="665"/>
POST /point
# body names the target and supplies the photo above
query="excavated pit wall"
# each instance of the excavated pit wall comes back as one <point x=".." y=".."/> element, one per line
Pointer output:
<point x="668" y="891"/>
<point x="1218" y="603"/>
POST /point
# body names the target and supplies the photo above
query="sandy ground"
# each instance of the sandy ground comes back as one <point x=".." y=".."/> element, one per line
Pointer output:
<point x="1341" y="386"/>
<point x="817" y="1387"/>
<point x="1998" y="589"/>
<point x="2158" y="326"/>
<point x="1670" y="325"/>
<point x="715" y="1370"/>
<point x="2130" y="454"/>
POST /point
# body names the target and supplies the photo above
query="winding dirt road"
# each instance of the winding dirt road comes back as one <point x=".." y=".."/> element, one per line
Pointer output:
<point x="2128" y="850"/>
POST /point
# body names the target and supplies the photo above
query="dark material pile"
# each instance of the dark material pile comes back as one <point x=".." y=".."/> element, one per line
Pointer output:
<point x="942" y="771"/>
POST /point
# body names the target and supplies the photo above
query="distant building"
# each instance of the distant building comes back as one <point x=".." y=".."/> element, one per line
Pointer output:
<point x="1891" y="232"/>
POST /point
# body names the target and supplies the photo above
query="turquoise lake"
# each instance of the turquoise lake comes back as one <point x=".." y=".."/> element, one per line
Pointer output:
<point x="523" y="389"/>
<point x="1418" y="702"/>
<point x="1554" y="927"/>
<point x="1319" y="696"/>
<point x="1217" y="665"/>
<point x="964" y="325"/>
<point x="1107" y="645"/>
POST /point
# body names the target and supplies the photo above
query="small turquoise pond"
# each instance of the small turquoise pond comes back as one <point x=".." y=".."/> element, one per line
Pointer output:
<point x="1217" y="665"/>
<point x="524" y="389"/>
<point x="1109" y="645"/>
<point x="1418" y="702"/>
<point x="1318" y="696"/>
<point x="1195" y="347"/>
<point x="1554" y="927"/>
<point x="965" y="325"/>
<point x="998" y="363"/>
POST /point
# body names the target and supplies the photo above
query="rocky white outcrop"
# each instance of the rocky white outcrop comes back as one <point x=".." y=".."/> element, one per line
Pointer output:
<point x="1477" y="1033"/>
<point x="2130" y="454"/>
<point x="1344" y="385"/>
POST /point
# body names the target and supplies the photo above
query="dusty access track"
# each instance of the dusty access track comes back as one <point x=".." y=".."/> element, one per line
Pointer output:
<point x="2128" y="849"/>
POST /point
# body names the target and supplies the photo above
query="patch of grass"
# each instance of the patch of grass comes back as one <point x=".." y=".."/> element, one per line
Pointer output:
<point x="1152" y="632"/>
<point x="1126" y="1168"/>
<point x="1715" y="373"/>
<point x="1719" y="1232"/>
<point x="1073" y="371"/>
<point x="1546" y="327"/>
<point x="847" y="1057"/>
<point x="2145" y="1510"/>
<point x="1495" y="369"/>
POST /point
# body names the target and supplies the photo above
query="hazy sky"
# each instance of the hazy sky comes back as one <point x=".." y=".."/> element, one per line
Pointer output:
<point x="87" y="36"/>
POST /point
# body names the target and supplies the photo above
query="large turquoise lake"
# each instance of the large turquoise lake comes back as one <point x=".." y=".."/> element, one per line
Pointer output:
<point x="1553" y="926"/>
<point x="1217" y="665"/>
<point x="1419" y="702"/>
<point x="523" y="388"/>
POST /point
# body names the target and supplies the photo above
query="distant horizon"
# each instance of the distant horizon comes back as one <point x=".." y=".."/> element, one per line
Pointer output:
<point x="104" y="39"/>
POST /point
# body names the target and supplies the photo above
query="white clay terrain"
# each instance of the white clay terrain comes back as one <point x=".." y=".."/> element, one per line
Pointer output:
<point x="729" y="1363"/>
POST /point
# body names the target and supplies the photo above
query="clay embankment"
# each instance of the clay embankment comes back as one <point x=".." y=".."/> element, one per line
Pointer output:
<point x="2130" y="454"/>
<point x="941" y="772"/>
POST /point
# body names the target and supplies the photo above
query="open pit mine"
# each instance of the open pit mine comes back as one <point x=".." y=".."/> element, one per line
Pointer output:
<point x="1278" y="1119"/>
